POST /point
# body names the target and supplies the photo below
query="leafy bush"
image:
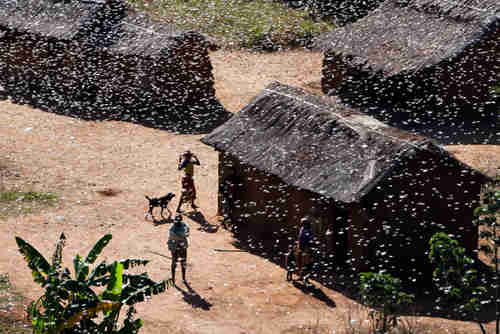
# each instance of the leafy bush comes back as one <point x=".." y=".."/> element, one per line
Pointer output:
<point x="70" y="302"/>
<point x="456" y="280"/>
<point x="487" y="219"/>
<point x="384" y="294"/>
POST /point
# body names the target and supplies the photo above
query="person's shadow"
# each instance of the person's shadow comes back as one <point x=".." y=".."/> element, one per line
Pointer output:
<point x="314" y="291"/>
<point x="193" y="298"/>
<point x="205" y="226"/>
<point x="163" y="221"/>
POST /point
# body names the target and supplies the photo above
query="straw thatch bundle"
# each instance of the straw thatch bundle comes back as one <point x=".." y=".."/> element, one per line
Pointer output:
<point x="102" y="60"/>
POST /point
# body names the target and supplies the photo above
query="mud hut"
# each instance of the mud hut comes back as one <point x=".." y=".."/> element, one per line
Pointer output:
<point x="104" y="60"/>
<point x="380" y="189"/>
<point x="431" y="59"/>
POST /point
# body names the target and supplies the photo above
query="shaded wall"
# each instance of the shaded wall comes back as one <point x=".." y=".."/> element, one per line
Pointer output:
<point x="423" y="195"/>
<point x="173" y="91"/>
<point x="267" y="212"/>
<point x="456" y="89"/>
<point x="389" y="229"/>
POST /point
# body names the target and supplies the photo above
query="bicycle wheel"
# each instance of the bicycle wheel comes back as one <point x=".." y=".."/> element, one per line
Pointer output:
<point x="289" y="275"/>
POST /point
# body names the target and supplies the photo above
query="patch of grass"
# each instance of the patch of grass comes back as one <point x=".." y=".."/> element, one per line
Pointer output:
<point x="4" y="282"/>
<point x="15" y="203"/>
<point x="8" y="297"/>
<point x="253" y="24"/>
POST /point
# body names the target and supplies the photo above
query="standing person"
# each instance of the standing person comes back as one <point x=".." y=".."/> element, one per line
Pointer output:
<point x="303" y="251"/>
<point x="187" y="161"/>
<point x="178" y="244"/>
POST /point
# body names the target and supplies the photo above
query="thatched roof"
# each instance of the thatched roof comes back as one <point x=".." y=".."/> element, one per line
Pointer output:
<point x="406" y="35"/>
<point x="139" y="34"/>
<point x="49" y="18"/>
<point x="102" y="23"/>
<point x="315" y="143"/>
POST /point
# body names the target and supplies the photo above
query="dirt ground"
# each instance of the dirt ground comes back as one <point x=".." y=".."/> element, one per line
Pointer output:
<point x="229" y="292"/>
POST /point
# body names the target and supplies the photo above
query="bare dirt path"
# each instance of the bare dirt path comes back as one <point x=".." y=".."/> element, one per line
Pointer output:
<point x="232" y="292"/>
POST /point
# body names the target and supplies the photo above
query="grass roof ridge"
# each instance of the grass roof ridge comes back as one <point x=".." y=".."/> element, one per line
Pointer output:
<point x="447" y="7"/>
<point x="462" y="5"/>
<point x="416" y="143"/>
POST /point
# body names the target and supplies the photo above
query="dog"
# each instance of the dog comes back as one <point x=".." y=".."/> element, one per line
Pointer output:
<point x="161" y="202"/>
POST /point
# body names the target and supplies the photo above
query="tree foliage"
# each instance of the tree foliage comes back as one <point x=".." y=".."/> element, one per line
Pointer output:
<point x="384" y="294"/>
<point x="71" y="302"/>
<point x="457" y="281"/>
<point x="487" y="219"/>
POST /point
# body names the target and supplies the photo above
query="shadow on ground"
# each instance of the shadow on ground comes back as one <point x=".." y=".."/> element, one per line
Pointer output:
<point x="164" y="221"/>
<point x="195" y="119"/>
<point x="191" y="297"/>
<point x="315" y="292"/>
<point x="198" y="217"/>
<point x="343" y="279"/>
<point x="447" y="126"/>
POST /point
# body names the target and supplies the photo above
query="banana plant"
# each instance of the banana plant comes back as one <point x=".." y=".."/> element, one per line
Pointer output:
<point x="71" y="303"/>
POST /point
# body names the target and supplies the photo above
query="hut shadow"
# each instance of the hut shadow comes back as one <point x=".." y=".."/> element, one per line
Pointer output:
<point x="199" y="218"/>
<point x="438" y="125"/>
<point x="177" y="120"/>
<point x="191" y="297"/>
<point x="343" y="279"/>
<point x="310" y="289"/>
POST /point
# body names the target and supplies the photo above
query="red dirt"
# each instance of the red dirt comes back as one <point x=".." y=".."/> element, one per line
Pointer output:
<point x="235" y="292"/>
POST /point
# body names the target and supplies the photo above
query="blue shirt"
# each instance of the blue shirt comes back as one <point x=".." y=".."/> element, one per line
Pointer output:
<point x="305" y="237"/>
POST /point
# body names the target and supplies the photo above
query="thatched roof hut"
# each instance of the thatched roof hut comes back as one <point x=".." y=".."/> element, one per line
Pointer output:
<point x="101" y="59"/>
<point x="313" y="143"/>
<point x="292" y="150"/>
<point x="109" y="23"/>
<point x="60" y="20"/>
<point x="419" y="54"/>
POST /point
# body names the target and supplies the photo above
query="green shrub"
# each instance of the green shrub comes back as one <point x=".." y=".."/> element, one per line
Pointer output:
<point x="71" y="303"/>
<point x="384" y="294"/>
<point x="455" y="278"/>
<point x="487" y="215"/>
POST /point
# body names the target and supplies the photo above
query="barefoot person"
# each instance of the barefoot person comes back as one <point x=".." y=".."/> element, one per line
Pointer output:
<point x="178" y="244"/>
<point x="187" y="161"/>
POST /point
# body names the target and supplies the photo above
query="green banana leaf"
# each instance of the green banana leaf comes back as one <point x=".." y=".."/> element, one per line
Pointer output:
<point x="97" y="249"/>
<point x="141" y="294"/>
<point x="36" y="262"/>
<point x="115" y="284"/>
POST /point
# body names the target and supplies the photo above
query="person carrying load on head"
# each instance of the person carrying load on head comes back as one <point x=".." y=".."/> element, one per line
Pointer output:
<point x="178" y="244"/>
<point x="187" y="161"/>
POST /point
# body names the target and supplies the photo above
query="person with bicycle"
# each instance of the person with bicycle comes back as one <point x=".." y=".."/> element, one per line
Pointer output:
<point x="304" y="244"/>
